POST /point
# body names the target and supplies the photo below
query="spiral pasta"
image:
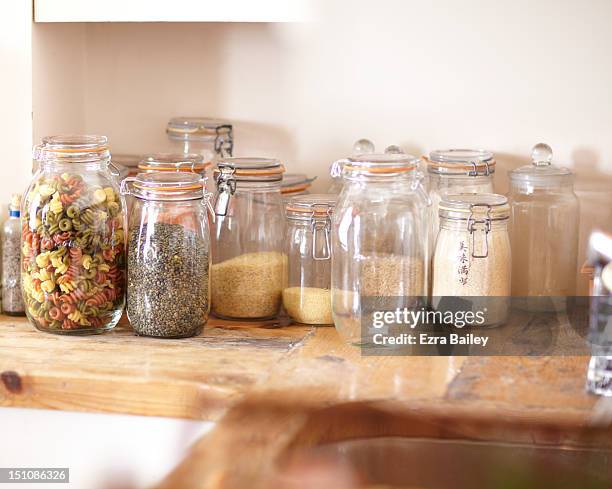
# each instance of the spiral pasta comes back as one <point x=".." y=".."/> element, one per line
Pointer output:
<point x="73" y="255"/>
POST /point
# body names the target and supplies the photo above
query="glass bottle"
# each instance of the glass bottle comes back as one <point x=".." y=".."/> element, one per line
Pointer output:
<point x="307" y="298"/>
<point x="472" y="256"/>
<point x="249" y="263"/>
<point x="544" y="223"/>
<point x="168" y="281"/>
<point x="380" y="244"/>
<point x="457" y="171"/>
<point x="73" y="250"/>
<point x="211" y="138"/>
<point x="12" y="298"/>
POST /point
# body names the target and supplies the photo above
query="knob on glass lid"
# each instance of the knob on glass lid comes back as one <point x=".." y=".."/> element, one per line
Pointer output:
<point x="541" y="171"/>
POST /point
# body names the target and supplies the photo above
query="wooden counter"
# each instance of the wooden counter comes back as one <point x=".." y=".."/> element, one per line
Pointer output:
<point x="237" y="368"/>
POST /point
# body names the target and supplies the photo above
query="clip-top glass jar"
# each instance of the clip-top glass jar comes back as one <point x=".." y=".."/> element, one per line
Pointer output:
<point x="457" y="171"/>
<point x="211" y="138"/>
<point x="73" y="252"/>
<point x="379" y="239"/>
<point x="249" y="263"/>
<point x="544" y="227"/>
<point x="168" y="290"/>
<point x="175" y="162"/>
<point x="472" y="257"/>
<point x="307" y="298"/>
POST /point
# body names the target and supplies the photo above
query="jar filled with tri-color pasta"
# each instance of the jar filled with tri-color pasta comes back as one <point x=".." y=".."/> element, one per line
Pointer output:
<point x="249" y="262"/>
<point x="211" y="138"/>
<point x="73" y="249"/>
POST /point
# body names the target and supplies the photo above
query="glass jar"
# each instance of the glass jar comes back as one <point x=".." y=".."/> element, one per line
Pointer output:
<point x="168" y="289"/>
<point x="472" y="256"/>
<point x="295" y="184"/>
<point x="379" y="239"/>
<point x="361" y="147"/>
<point x="73" y="251"/>
<point x="544" y="227"/>
<point x="457" y="171"/>
<point x="175" y="162"/>
<point x="12" y="298"/>
<point x="307" y="298"/>
<point x="249" y="263"/>
<point x="211" y="138"/>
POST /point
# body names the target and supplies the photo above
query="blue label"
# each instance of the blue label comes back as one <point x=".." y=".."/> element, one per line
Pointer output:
<point x="13" y="213"/>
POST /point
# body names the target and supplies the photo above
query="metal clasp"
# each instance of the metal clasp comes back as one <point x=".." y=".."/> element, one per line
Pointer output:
<point x="224" y="140"/>
<point x="473" y="228"/>
<point x="226" y="186"/>
<point x="321" y="229"/>
<point x="474" y="171"/>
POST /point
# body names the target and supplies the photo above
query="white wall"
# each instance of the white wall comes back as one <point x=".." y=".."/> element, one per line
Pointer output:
<point x="498" y="75"/>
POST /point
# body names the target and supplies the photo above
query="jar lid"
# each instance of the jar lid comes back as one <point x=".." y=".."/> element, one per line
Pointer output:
<point x="463" y="206"/>
<point x="173" y="162"/>
<point x="541" y="172"/>
<point x="166" y="185"/>
<point x="72" y="149"/>
<point x="196" y="128"/>
<point x="307" y="206"/>
<point x="470" y="162"/>
<point x="251" y="169"/>
<point x="295" y="183"/>
<point x="378" y="164"/>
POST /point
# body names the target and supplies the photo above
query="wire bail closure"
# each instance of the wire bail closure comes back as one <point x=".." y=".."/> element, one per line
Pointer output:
<point x="224" y="140"/>
<point x="226" y="187"/>
<point x="321" y="229"/>
<point x="472" y="225"/>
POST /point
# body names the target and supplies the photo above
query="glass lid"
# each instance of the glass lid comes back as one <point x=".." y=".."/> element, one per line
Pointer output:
<point x="73" y="148"/>
<point x="196" y="128"/>
<point x="295" y="182"/>
<point x="170" y="185"/>
<point x="470" y="162"/>
<point x="311" y="205"/>
<point x="378" y="164"/>
<point x="461" y="206"/>
<point x="251" y="169"/>
<point x="174" y="162"/>
<point x="541" y="171"/>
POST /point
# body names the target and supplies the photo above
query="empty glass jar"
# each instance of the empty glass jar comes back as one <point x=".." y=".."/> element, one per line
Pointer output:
<point x="249" y="261"/>
<point x="168" y="292"/>
<point x="379" y="240"/>
<point x="211" y="138"/>
<point x="73" y="252"/>
<point x="307" y="298"/>
<point x="472" y="257"/>
<point x="544" y="227"/>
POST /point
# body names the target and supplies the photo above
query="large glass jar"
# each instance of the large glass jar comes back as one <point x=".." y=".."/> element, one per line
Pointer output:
<point x="211" y="138"/>
<point x="177" y="162"/>
<point x="379" y="239"/>
<point x="307" y="298"/>
<point x="249" y="263"/>
<point x="544" y="225"/>
<point x="457" y="171"/>
<point x="472" y="257"/>
<point x="73" y="251"/>
<point x="168" y="290"/>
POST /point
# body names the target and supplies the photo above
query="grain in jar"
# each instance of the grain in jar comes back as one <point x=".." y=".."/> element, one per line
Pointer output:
<point x="472" y="257"/>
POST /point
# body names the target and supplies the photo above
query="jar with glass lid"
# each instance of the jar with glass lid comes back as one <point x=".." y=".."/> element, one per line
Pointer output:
<point x="457" y="171"/>
<point x="472" y="257"/>
<point x="307" y="298"/>
<point x="380" y="247"/>
<point x="249" y="262"/>
<point x="211" y="138"/>
<point x="544" y="226"/>
<point x="73" y="251"/>
<point x="168" y="280"/>
<point x="177" y="162"/>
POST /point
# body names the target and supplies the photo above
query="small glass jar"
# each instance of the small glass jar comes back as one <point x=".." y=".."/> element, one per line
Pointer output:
<point x="472" y="256"/>
<point x="379" y="239"/>
<point x="544" y="226"/>
<point x="168" y="290"/>
<point x="73" y="251"/>
<point x="295" y="184"/>
<point x="249" y="263"/>
<point x="457" y="171"/>
<point x="307" y="298"/>
<point x="211" y="138"/>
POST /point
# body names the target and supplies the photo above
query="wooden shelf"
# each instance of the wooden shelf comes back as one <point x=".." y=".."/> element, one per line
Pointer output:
<point x="171" y="11"/>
